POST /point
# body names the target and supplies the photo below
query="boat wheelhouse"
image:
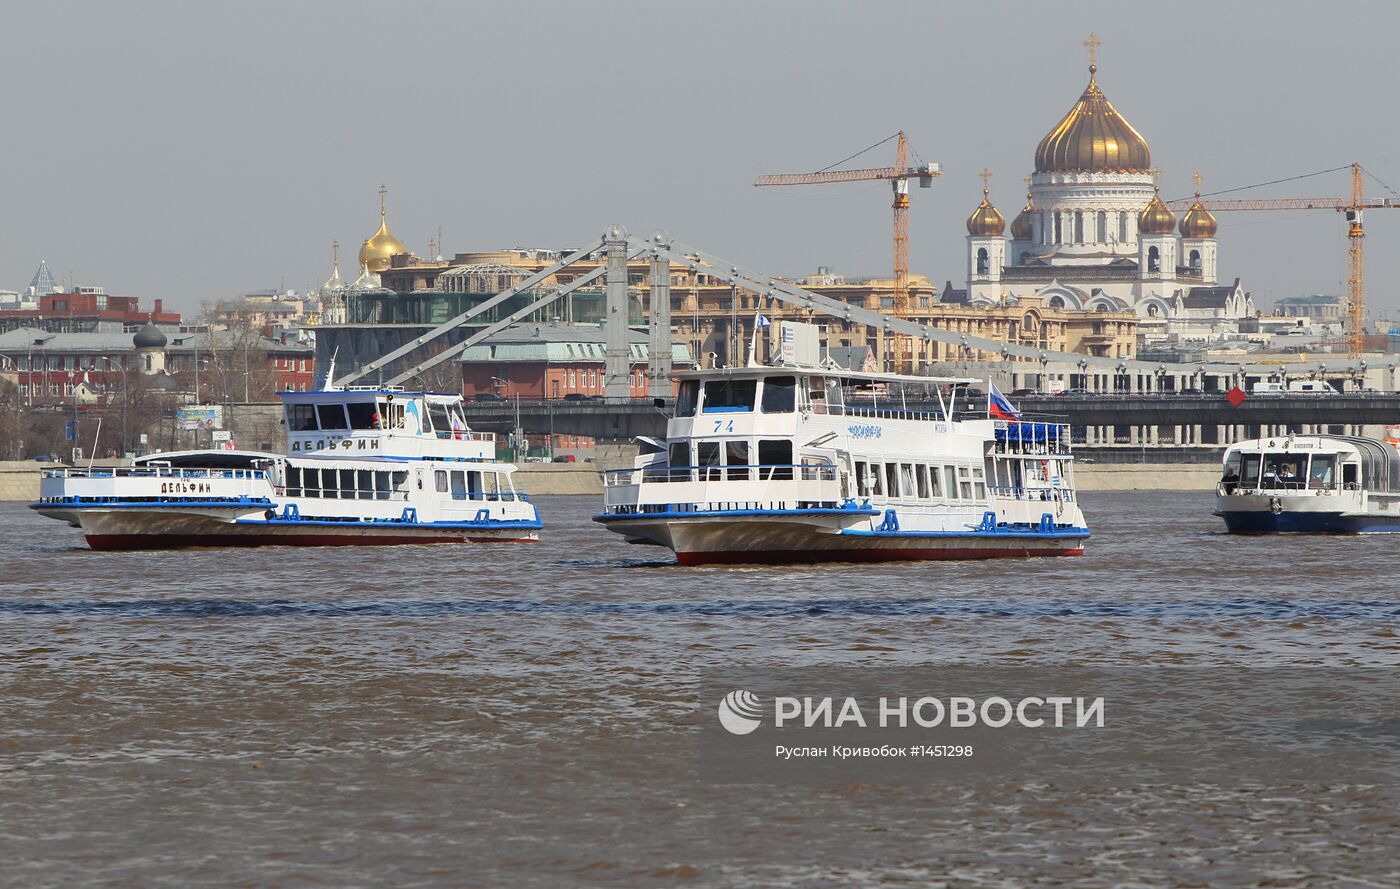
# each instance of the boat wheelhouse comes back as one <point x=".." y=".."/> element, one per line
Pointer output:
<point x="808" y="463"/>
<point x="1338" y="484"/>
<point x="363" y="466"/>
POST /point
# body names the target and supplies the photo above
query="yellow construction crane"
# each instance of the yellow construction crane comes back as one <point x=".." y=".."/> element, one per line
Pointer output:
<point x="1352" y="209"/>
<point x="898" y="176"/>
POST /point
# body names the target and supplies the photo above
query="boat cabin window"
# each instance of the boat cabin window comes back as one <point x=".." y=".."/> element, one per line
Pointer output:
<point x="707" y="455"/>
<point x="1321" y="471"/>
<point x="440" y="480"/>
<point x="736" y="456"/>
<point x="301" y="418"/>
<point x="921" y="480"/>
<point x="679" y="461"/>
<point x="729" y="396"/>
<point x="1284" y="471"/>
<point x="1351" y="475"/>
<point x="892" y="480"/>
<point x="438" y="414"/>
<point x="950" y="482"/>
<point x="392" y="414"/>
<point x="363" y="415"/>
<point x="686" y="398"/>
<point x="776" y="456"/>
<point x="779" y="395"/>
<point x="332" y="416"/>
<point x="1249" y="471"/>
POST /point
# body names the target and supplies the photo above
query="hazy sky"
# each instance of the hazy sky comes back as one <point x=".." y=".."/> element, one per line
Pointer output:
<point x="194" y="151"/>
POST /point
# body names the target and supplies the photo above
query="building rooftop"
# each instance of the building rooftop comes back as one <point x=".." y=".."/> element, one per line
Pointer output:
<point x="561" y="342"/>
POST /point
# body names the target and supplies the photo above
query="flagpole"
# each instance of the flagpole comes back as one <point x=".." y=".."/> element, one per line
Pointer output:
<point x="753" y="340"/>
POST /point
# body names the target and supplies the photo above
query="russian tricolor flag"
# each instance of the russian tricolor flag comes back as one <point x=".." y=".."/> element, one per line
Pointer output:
<point x="999" y="407"/>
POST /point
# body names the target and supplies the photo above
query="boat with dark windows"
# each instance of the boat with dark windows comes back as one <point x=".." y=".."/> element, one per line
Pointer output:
<point x="363" y="466"/>
<point x="1338" y="484"/>
<point x="797" y="462"/>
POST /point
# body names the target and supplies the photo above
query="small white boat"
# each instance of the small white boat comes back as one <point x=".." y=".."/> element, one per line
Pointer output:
<point x="364" y="467"/>
<point x="1339" y="484"/>
<point x="796" y="462"/>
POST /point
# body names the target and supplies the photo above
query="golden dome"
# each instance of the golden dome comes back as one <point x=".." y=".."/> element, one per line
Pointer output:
<point x="986" y="221"/>
<point x="1198" y="221"/>
<point x="375" y="252"/>
<point x="1093" y="138"/>
<point x="1021" y="225"/>
<point x="1155" y="218"/>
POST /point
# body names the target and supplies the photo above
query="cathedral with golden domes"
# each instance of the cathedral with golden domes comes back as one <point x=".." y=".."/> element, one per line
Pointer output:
<point x="1095" y="234"/>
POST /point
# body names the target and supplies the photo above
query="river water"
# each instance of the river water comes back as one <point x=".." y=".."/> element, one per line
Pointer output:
<point x="527" y="714"/>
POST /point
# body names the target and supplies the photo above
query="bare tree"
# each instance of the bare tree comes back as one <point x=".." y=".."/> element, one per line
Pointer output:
<point x="239" y="366"/>
<point x="446" y="376"/>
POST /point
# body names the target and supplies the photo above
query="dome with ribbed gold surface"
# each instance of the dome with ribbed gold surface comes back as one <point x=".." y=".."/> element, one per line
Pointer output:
<point x="1021" y="225"/>
<point x="1093" y="138"/>
<point x="1156" y="218"/>
<point x="380" y="246"/>
<point x="1198" y="221"/>
<point x="986" y="221"/>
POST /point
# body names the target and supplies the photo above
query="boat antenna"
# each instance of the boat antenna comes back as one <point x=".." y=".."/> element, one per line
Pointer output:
<point x="330" y="372"/>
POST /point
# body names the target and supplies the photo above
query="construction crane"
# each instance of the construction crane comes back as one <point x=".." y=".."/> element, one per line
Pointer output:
<point x="1352" y="209"/>
<point x="898" y="176"/>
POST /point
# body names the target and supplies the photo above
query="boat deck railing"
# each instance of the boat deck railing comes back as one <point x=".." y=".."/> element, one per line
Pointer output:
<point x="153" y="472"/>
<point x="762" y="472"/>
<point x="1032" y="493"/>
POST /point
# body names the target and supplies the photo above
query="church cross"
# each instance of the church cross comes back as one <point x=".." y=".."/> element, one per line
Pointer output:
<point x="1093" y="43"/>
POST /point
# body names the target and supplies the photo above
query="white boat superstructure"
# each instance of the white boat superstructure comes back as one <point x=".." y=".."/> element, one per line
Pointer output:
<point x="363" y="466"/>
<point x="1340" y="484"/>
<point x="794" y="463"/>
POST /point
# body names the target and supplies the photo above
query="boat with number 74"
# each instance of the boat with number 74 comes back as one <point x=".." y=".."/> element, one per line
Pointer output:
<point x="794" y="461"/>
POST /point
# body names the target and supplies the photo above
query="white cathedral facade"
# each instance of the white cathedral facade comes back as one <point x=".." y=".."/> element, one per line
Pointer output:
<point x="1095" y="234"/>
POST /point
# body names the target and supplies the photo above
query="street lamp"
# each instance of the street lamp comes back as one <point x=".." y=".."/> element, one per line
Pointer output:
<point x="519" y="433"/>
<point x="125" y="397"/>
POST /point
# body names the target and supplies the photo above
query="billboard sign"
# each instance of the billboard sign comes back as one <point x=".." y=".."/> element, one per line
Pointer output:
<point x="201" y="417"/>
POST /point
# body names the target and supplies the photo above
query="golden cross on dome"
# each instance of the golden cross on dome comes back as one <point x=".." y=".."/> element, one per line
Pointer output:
<point x="1156" y="177"/>
<point x="382" y="192"/>
<point x="335" y="252"/>
<point x="986" y="181"/>
<point x="1093" y="43"/>
<point x="1198" y="177"/>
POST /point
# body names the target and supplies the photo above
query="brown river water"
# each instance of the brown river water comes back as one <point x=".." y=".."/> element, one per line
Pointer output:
<point x="527" y="714"/>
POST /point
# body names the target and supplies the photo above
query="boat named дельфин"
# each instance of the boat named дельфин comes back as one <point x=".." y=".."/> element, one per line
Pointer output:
<point x="363" y="466"/>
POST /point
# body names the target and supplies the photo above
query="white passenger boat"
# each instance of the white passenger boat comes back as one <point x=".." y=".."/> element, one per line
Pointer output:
<point x="363" y="466"/>
<point x="1338" y="484"/>
<point x="795" y="462"/>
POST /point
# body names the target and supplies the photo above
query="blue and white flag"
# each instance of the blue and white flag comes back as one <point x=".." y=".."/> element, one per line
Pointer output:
<point x="763" y="321"/>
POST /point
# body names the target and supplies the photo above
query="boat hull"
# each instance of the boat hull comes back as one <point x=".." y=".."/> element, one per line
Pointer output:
<point x="1287" y="513"/>
<point x="1267" y="522"/>
<point x="166" y="528"/>
<point x="775" y="541"/>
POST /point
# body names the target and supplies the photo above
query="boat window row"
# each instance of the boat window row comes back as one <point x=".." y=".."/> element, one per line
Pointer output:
<point x="729" y="460"/>
<point x="920" y="481"/>
<point x="445" y="420"/>
<point x="347" y="484"/>
<point x="473" y="484"/>
<point x="771" y="395"/>
<point x="821" y="395"/>
<point x="1282" y="471"/>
